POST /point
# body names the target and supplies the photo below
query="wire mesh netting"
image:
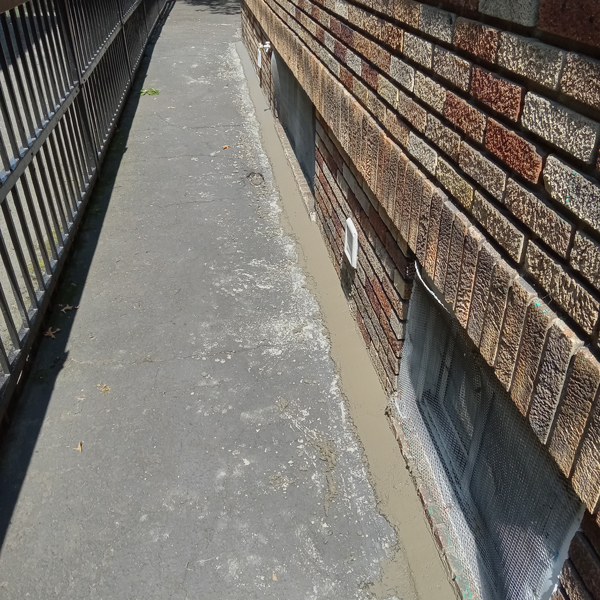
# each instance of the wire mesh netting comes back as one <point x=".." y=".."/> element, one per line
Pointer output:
<point x="507" y="512"/>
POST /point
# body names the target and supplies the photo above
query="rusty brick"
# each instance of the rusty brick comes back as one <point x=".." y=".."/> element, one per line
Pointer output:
<point x="460" y="225"/>
<point x="476" y="38"/>
<point x="444" y="241"/>
<point x="486" y="262"/>
<point x="539" y="216"/>
<point x="519" y="296"/>
<point x="496" y="92"/>
<point x="437" y="200"/>
<point x="577" y="20"/>
<point x="537" y="321"/>
<point x="572" y="583"/>
<point x="578" y="398"/>
<point x="466" y="117"/>
<point x="501" y="280"/>
<point x="561" y="343"/>
<point x="513" y="150"/>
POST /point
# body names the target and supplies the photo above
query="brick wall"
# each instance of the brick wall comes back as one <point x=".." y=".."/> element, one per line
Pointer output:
<point x="472" y="130"/>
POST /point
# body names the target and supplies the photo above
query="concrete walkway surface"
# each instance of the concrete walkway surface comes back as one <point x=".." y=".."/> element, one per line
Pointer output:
<point x="218" y="458"/>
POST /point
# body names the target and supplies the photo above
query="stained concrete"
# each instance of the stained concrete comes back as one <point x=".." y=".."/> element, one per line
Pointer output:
<point x="218" y="456"/>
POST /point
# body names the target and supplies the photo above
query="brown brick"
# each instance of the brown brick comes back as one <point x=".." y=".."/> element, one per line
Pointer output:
<point x="372" y="139"/>
<point x="437" y="200"/>
<point x="476" y="38"/>
<point x="347" y="35"/>
<point x="482" y="170"/>
<point x="418" y="49"/>
<point x="572" y="19"/>
<point x="382" y="166"/>
<point x="496" y="92"/>
<point x="573" y="584"/>
<point x="561" y="343"/>
<point x="587" y="563"/>
<point x="416" y="115"/>
<point x="452" y="67"/>
<point x="460" y="225"/>
<point x="564" y="290"/>
<point x="585" y="257"/>
<point x="421" y="249"/>
<point x="407" y="12"/>
<point x="468" y="268"/>
<point x="400" y="190"/>
<point x="388" y="191"/>
<point x="396" y="128"/>
<point x="581" y="79"/>
<point x="369" y="74"/>
<point x="537" y="321"/>
<point x="443" y="243"/>
<point x="486" y="262"/>
<point x="443" y="137"/>
<point x="519" y="296"/>
<point x="539" y="216"/>
<point x="355" y="127"/>
<point x="586" y="475"/>
<point x="392" y="36"/>
<point x="466" y="117"/>
<point x="429" y="92"/>
<point x="426" y="191"/>
<point x="591" y="530"/>
<point x="454" y="183"/>
<point x="580" y="391"/>
<point x="502" y="277"/>
<point x="346" y="78"/>
<point x="512" y="149"/>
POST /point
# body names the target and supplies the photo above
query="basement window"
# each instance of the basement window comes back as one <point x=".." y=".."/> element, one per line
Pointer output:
<point x="501" y="509"/>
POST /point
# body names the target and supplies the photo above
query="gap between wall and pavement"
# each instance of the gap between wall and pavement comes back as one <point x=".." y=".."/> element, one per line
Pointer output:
<point x="417" y="563"/>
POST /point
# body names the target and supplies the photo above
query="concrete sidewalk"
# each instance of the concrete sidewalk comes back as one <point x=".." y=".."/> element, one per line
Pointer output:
<point x="218" y="459"/>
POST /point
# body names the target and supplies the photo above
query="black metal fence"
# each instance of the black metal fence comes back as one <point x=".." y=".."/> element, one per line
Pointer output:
<point x="66" y="67"/>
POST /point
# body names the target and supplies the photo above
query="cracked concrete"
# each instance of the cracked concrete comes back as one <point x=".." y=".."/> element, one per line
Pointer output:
<point x="222" y="461"/>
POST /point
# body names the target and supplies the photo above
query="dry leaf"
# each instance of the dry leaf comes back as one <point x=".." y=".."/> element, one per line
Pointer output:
<point x="225" y="147"/>
<point x="103" y="387"/>
<point x="170" y="107"/>
<point x="66" y="308"/>
<point x="50" y="332"/>
<point x="76" y="306"/>
<point x="80" y="447"/>
<point x="274" y="577"/>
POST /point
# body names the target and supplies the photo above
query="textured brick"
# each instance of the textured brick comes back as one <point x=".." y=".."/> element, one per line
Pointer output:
<point x="581" y="79"/>
<point x="452" y="67"/>
<point x="486" y="262"/>
<point x="429" y="91"/>
<point x="443" y="137"/>
<point x="404" y="74"/>
<point x="537" y="321"/>
<point x="437" y="23"/>
<point x="502" y="277"/>
<point x="541" y="218"/>
<point x="523" y="12"/>
<point x="418" y="49"/>
<point x="449" y="211"/>
<point x="561" y="343"/>
<point x="576" y="191"/>
<point x="454" y="183"/>
<point x="424" y="223"/>
<point x="497" y="93"/>
<point x="482" y="170"/>
<point x="416" y="115"/>
<point x="435" y="214"/>
<point x="560" y="126"/>
<point x="354" y="62"/>
<point x="407" y="12"/>
<point x="424" y="197"/>
<point x="387" y="90"/>
<point x="586" y="475"/>
<point x="572" y="583"/>
<point x="404" y="199"/>
<point x="578" y="398"/>
<point x="573" y="19"/>
<point x="390" y="176"/>
<point x="396" y="127"/>
<point x="422" y="152"/>
<point x="591" y="530"/>
<point x="460" y="226"/>
<point x="531" y="59"/>
<point x="585" y="257"/>
<point x="498" y="226"/>
<point x="513" y="150"/>
<point x="519" y="296"/>
<point x="468" y="268"/>
<point x="476" y="38"/>
<point x="392" y="36"/>
<point x="563" y="289"/>
<point x="587" y="563"/>
<point x="369" y="74"/>
<point x="466" y="117"/>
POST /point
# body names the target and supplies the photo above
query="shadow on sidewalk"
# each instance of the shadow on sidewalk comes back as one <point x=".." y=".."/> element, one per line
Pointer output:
<point x="28" y="412"/>
<point x="225" y="7"/>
